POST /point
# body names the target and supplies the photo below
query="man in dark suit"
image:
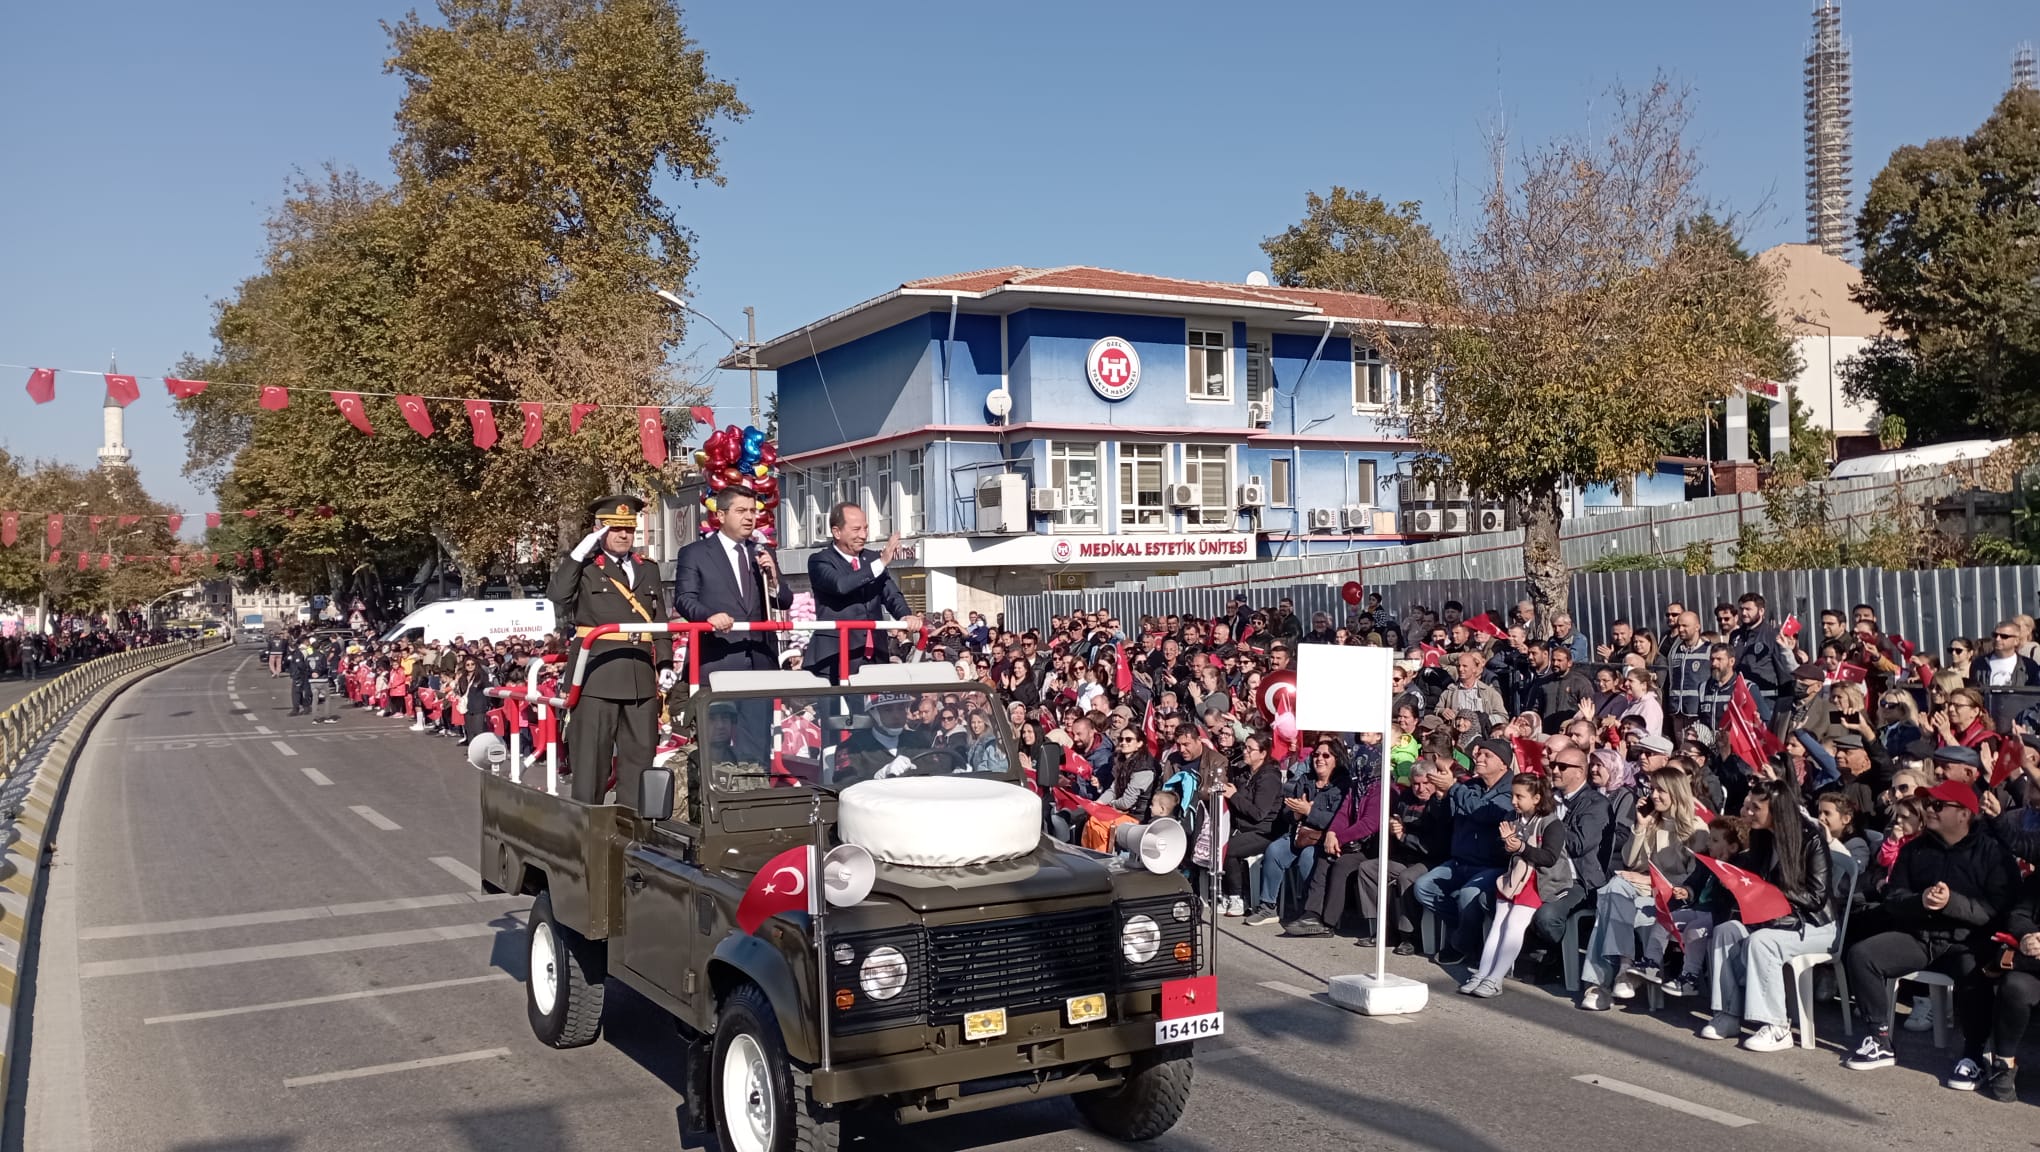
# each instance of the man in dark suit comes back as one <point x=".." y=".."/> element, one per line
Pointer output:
<point x="601" y="581"/>
<point x="851" y="582"/>
<point x="725" y="578"/>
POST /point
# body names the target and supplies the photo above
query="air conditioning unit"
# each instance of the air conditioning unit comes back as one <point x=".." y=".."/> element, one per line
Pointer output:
<point x="1413" y="492"/>
<point x="1002" y="503"/>
<point x="1455" y="493"/>
<point x="1253" y="494"/>
<point x="1454" y="523"/>
<point x="1491" y="518"/>
<point x="1260" y="413"/>
<point x="1424" y="521"/>
<point x="1183" y="496"/>
<point x="1324" y="519"/>
<point x="1357" y="518"/>
<point x="1045" y="499"/>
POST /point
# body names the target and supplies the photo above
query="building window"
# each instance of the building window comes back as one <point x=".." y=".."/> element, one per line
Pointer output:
<point x="1207" y="468"/>
<point x="1210" y="366"/>
<point x="1363" y="482"/>
<point x="913" y="510"/>
<point x="1257" y="371"/>
<point x="1410" y="392"/>
<point x="880" y="505"/>
<point x="1370" y="380"/>
<point x="1142" y="503"/>
<point x="1278" y="482"/>
<point x="1073" y="470"/>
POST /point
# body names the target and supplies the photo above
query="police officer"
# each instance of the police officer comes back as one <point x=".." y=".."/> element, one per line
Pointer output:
<point x="601" y="581"/>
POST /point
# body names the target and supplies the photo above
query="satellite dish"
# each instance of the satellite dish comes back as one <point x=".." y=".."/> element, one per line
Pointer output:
<point x="999" y="402"/>
<point x="1159" y="845"/>
<point x="1257" y="278"/>
<point x="848" y="873"/>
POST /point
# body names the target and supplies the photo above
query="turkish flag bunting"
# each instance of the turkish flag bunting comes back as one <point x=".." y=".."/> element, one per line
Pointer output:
<point x="42" y="385"/>
<point x="275" y="559"/>
<point x="482" y="415"/>
<point x="122" y="390"/>
<point x="105" y="561"/>
<point x="415" y="414"/>
<point x="651" y="431"/>
<point x="534" y="422"/>
<point x="1759" y="901"/>
<point x="325" y="511"/>
<point x="56" y="557"/>
<point x="183" y="389"/>
<point x="128" y="558"/>
<point x="1486" y="626"/>
<point x="257" y="554"/>
<point x="130" y="521"/>
<point x="275" y="397"/>
<point x="53" y="530"/>
<point x="704" y="416"/>
<point x="349" y="404"/>
<point x="1748" y="737"/>
<point x="1661" y="895"/>
<point x="212" y="519"/>
<point x="94" y="523"/>
<point x="240" y="559"/>
<point x="290" y="513"/>
<point x="251" y="513"/>
<point x="176" y="566"/>
<point x="84" y="560"/>
<point x="783" y="884"/>
<point x="175" y="521"/>
<point x="577" y="413"/>
<point x="10" y="527"/>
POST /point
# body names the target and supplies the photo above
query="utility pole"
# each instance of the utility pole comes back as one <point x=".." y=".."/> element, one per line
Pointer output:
<point x="751" y="355"/>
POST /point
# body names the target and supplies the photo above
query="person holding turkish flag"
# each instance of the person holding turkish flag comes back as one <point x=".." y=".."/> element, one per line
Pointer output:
<point x="1784" y="895"/>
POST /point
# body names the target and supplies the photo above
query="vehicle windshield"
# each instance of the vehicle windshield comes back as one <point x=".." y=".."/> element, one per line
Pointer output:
<point x="834" y="739"/>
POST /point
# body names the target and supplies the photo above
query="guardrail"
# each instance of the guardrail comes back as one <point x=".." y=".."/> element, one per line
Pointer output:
<point x="29" y="719"/>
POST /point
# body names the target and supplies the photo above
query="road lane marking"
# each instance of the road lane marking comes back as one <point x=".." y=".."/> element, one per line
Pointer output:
<point x="316" y="776"/>
<point x="1725" y="1119"/>
<point x="142" y="965"/>
<point x="288" y="915"/>
<point x="459" y="871"/>
<point x="376" y="818"/>
<point x="400" y="1066"/>
<point x="367" y="994"/>
<point x="282" y="749"/>
<point x="263" y="731"/>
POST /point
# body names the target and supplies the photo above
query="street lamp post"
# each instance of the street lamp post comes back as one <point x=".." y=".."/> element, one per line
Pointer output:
<point x="748" y="347"/>
<point x="1833" y="415"/>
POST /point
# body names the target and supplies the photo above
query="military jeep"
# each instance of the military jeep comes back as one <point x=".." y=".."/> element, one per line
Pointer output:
<point x="974" y="962"/>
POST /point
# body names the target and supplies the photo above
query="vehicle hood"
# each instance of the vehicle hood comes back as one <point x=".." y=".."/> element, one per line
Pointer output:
<point x="1050" y="872"/>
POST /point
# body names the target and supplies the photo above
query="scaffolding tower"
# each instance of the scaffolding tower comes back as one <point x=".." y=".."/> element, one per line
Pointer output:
<point x="2025" y="75"/>
<point x="1829" y="220"/>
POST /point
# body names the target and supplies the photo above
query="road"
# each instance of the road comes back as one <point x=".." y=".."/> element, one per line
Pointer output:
<point x="265" y="936"/>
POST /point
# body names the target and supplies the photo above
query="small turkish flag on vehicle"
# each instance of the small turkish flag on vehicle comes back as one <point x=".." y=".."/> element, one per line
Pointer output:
<point x="1195" y="996"/>
<point x="1758" y="901"/>
<point x="782" y="885"/>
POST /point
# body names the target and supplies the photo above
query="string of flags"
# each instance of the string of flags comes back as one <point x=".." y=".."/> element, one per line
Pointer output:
<point x="123" y="389"/>
<point x="255" y="558"/>
<point x="54" y="522"/>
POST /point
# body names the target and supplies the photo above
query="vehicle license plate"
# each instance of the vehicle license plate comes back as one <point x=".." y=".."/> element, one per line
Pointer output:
<point x="984" y="1025"/>
<point x="1189" y="1028"/>
<point x="1084" y="1009"/>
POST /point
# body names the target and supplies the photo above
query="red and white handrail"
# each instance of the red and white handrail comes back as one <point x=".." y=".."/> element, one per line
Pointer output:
<point x="693" y="629"/>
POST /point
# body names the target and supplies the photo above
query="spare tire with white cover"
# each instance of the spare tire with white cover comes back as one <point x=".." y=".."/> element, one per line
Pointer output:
<point x="939" y="821"/>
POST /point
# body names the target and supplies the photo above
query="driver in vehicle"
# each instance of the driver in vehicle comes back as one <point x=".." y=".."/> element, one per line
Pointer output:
<point x="883" y="748"/>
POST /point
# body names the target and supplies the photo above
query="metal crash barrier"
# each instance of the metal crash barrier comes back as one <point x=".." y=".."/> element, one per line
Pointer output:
<point x="29" y="719"/>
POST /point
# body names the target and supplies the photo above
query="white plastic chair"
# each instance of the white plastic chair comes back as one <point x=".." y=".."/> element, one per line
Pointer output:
<point x="1941" y="988"/>
<point x="1573" y="948"/>
<point x="1803" y="966"/>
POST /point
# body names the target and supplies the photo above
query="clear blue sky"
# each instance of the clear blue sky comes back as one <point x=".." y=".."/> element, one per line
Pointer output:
<point x="143" y="143"/>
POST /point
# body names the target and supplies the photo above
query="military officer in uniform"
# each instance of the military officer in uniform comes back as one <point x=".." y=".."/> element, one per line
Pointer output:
<point x="601" y="581"/>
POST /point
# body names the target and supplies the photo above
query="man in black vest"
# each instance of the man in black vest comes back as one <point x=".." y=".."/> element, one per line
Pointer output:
<point x="725" y="578"/>
<point x="601" y="581"/>
<point x="851" y="582"/>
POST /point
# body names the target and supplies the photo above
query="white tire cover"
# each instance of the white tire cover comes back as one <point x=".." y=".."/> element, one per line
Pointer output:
<point x="939" y="821"/>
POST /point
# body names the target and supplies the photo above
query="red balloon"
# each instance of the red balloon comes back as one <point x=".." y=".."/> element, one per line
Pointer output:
<point x="714" y="523"/>
<point x="716" y="483"/>
<point x="768" y="453"/>
<point x="765" y="518"/>
<point x="767" y="487"/>
<point x="1350" y="592"/>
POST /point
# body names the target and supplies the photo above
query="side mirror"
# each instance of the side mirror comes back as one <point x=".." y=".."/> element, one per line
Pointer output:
<point x="655" y="794"/>
<point x="1049" y="774"/>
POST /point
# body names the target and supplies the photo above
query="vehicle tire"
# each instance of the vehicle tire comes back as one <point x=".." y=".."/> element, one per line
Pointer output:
<point x="563" y="990"/>
<point x="1149" y="1101"/>
<point x="761" y="1100"/>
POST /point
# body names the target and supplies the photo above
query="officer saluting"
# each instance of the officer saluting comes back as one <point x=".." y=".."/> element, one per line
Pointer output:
<point x="601" y="581"/>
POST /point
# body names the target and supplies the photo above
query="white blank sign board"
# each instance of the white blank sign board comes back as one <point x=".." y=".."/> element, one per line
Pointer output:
<point x="1343" y="688"/>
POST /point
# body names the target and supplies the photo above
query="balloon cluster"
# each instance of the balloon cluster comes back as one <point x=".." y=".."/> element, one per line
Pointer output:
<point x="742" y="457"/>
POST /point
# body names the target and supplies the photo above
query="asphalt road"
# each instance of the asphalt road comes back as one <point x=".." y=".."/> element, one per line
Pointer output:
<point x="265" y="936"/>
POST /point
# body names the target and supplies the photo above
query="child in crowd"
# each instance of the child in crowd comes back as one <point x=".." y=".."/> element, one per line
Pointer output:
<point x="1694" y="912"/>
<point x="1540" y="869"/>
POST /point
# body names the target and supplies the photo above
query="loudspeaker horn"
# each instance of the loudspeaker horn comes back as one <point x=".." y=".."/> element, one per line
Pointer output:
<point x="848" y="873"/>
<point x="485" y="748"/>
<point x="1159" y="845"/>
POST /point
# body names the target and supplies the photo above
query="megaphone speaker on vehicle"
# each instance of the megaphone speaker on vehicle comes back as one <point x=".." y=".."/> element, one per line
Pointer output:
<point x="848" y="873"/>
<point x="1159" y="845"/>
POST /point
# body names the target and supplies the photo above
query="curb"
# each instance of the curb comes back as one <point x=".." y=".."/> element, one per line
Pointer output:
<point x="38" y="797"/>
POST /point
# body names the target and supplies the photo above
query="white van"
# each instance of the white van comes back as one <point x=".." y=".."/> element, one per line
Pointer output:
<point x="443" y="620"/>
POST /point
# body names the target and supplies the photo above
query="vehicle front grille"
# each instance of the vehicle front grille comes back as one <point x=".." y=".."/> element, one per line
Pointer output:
<point x="1025" y="965"/>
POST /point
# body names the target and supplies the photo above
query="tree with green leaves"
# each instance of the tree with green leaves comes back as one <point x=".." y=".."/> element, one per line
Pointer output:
<point x="1356" y="242"/>
<point x="1950" y="233"/>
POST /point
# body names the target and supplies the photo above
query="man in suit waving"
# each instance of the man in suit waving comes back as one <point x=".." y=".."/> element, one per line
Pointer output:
<point x="851" y="582"/>
<point x="725" y="578"/>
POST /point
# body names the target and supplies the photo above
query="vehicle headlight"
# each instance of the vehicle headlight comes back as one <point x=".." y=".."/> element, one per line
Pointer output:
<point x="884" y="973"/>
<point x="1140" y="939"/>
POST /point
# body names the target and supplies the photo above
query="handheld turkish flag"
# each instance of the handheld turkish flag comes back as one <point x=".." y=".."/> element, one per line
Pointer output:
<point x="1486" y="626"/>
<point x="415" y="414"/>
<point x="53" y="529"/>
<point x="1848" y="673"/>
<point x="651" y="428"/>
<point x="122" y="390"/>
<point x="10" y="527"/>
<point x="42" y="385"/>
<point x="1748" y="737"/>
<point x="577" y="413"/>
<point x="482" y="415"/>
<point x="1122" y="672"/>
<point x="782" y="885"/>
<point x="1661" y="895"/>
<point x="183" y="389"/>
<point x="534" y="422"/>
<point x="349" y="404"/>
<point x="1152" y="733"/>
<point x="1434" y="656"/>
<point x="1790" y="626"/>
<point x="275" y="397"/>
<point x="1759" y="901"/>
<point x="1529" y="755"/>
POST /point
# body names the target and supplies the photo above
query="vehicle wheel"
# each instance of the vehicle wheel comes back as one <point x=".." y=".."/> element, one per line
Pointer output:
<point x="1150" y="1100"/>
<point x="563" y="992"/>
<point x="761" y="1100"/>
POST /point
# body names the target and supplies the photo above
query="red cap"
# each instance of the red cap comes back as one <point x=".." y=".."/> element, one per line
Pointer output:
<point x="1955" y="792"/>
